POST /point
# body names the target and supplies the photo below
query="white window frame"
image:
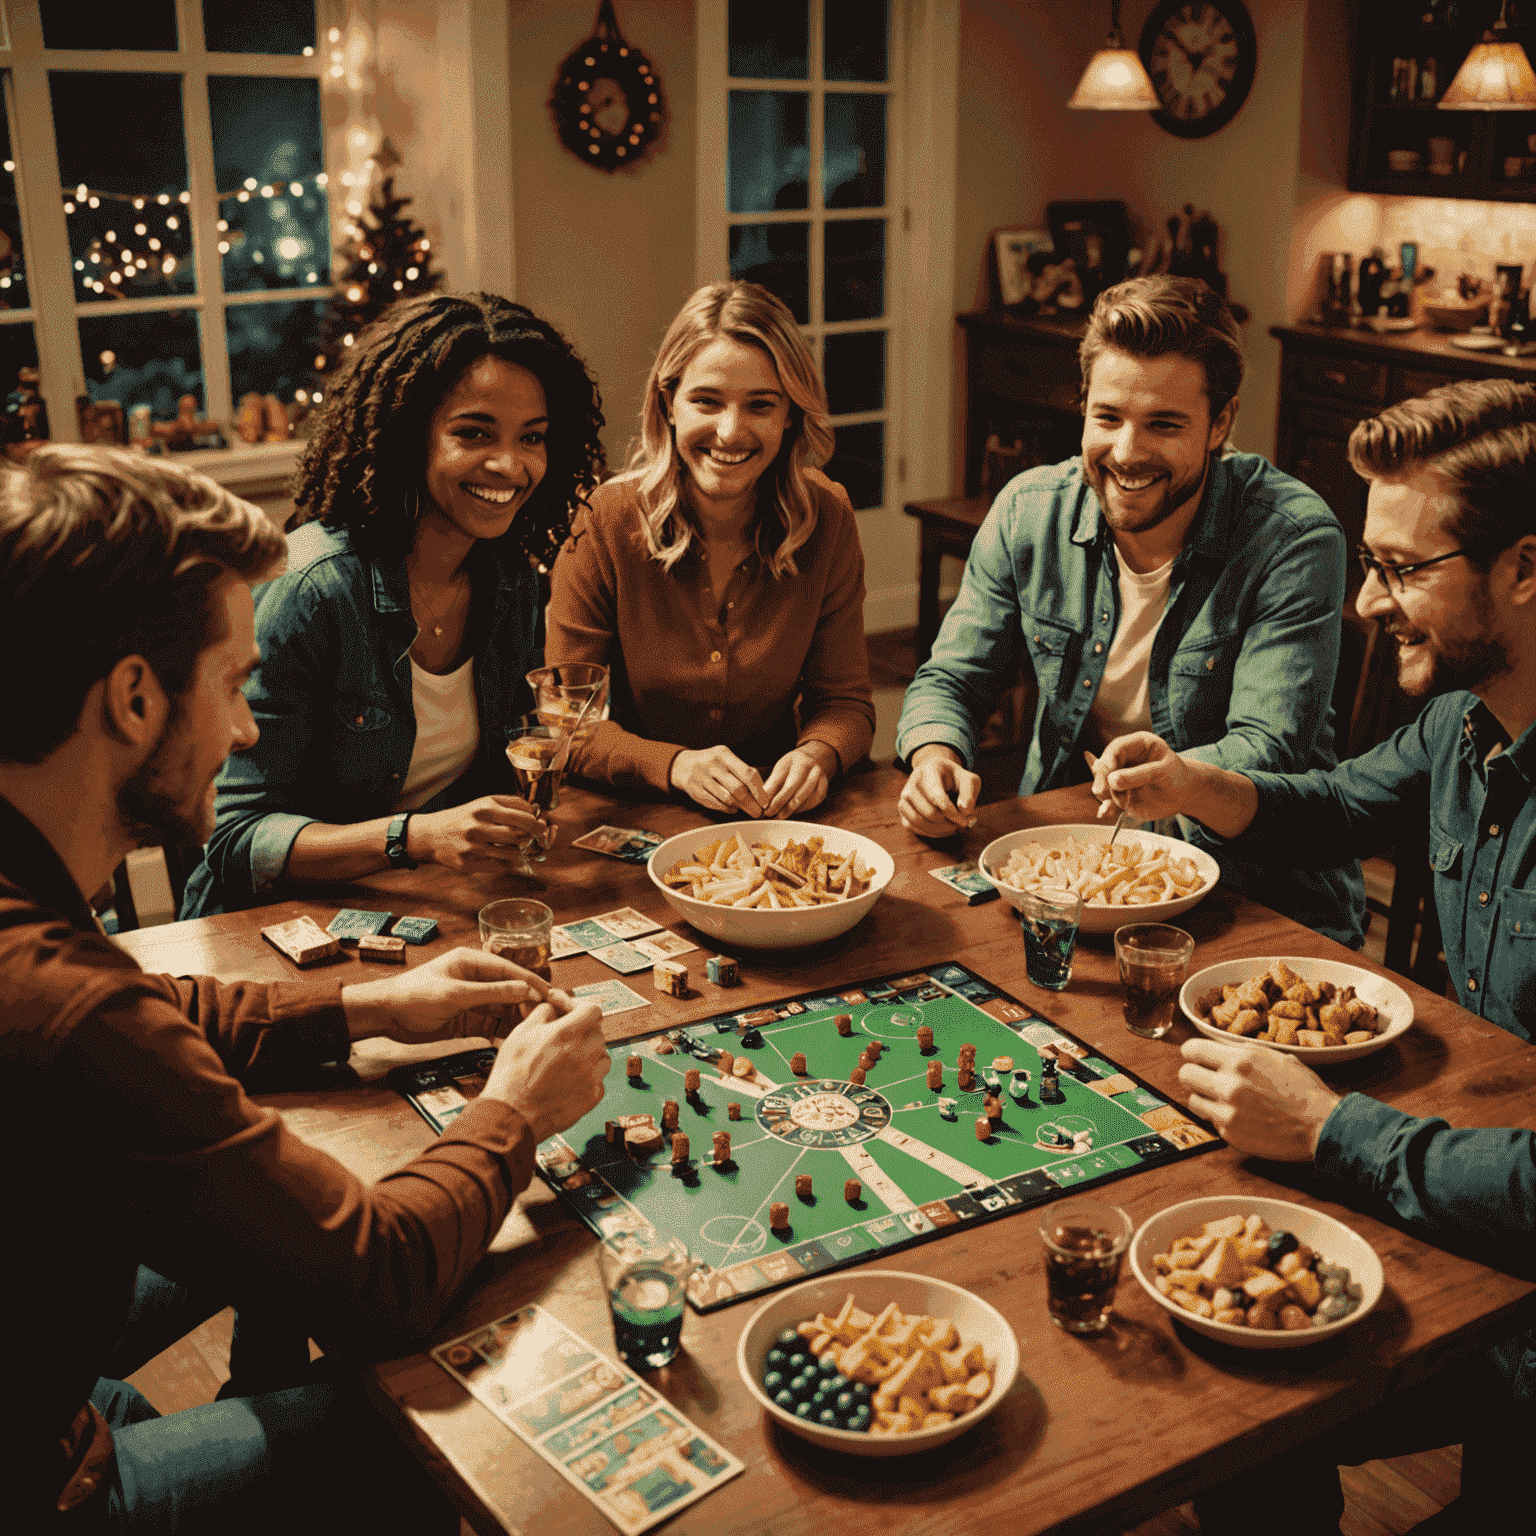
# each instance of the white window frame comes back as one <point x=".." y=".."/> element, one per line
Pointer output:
<point x="55" y="311"/>
<point x="919" y="213"/>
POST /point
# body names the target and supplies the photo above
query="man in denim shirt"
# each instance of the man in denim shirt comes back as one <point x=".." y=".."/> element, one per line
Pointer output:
<point x="1152" y="584"/>
<point x="1451" y="560"/>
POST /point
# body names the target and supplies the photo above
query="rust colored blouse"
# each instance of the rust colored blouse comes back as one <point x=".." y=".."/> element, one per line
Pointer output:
<point x="781" y="662"/>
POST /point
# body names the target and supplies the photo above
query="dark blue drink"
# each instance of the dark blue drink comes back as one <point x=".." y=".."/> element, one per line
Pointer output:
<point x="1049" y="939"/>
<point x="647" y="1307"/>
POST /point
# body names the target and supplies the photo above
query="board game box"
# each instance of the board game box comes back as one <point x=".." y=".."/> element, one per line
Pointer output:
<point x="924" y="1160"/>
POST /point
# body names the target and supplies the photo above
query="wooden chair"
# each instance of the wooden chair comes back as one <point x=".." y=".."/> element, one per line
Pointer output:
<point x="1413" y="924"/>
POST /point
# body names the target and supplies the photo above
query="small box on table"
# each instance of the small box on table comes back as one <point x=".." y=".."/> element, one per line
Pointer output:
<point x="303" y="940"/>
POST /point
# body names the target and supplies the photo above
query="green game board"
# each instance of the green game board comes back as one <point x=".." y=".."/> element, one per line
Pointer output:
<point x="922" y="1174"/>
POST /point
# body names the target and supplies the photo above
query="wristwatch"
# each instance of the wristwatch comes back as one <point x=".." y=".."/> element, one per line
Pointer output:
<point x="394" y="843"/>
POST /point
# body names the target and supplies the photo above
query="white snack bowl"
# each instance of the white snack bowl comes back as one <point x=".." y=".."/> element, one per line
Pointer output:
<point x="750" y="928"/>
<point x="1098" y="918"/>
<point x="1389" y="999"/>
<point x="1331" y="1240"/>
<point x="874" y="1289"/>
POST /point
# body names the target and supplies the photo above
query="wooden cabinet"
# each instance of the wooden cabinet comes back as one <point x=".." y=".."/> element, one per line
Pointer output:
<point x="1388" y="121"/>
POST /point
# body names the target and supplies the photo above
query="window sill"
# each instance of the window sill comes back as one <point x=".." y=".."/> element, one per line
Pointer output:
<point x="251" y="470"/>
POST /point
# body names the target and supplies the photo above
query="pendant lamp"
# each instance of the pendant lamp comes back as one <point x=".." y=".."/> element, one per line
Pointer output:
<point x="1496" y="77"/>
<point x="1115" y="80"/>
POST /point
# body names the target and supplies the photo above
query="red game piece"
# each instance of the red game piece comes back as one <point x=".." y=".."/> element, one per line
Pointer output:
<point x="983" y="1128"/>
<point x="935" y="1075"/>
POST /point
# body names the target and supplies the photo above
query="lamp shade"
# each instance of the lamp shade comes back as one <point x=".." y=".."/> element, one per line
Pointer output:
<point x="1496" y="77"/>
<point x="1115" y="81"/>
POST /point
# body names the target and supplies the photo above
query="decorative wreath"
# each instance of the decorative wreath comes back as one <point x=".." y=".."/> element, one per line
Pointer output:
<point x="608" y="102"/>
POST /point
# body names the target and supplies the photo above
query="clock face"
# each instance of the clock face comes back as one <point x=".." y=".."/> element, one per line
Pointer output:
<point x="1201" y="58"/>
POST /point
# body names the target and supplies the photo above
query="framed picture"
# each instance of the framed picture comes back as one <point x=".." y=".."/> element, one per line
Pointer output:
<point x="1097" y="236"/>
<point x="1011" y="251"/>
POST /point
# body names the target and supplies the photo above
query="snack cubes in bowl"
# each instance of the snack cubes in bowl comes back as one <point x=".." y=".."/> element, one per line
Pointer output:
<point x="1346" y="1279"/>
<point x="793" y="861"/>
<point x="1081" y="852"/>
<point x="909" y="1308"/>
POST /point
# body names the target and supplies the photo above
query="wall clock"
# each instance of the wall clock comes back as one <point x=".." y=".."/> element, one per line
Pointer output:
<point x="1202" y="59"/>
<point x="608" y="104"/>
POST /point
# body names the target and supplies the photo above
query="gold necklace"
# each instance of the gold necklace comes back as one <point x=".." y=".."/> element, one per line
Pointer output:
<point x="437" y="621"/>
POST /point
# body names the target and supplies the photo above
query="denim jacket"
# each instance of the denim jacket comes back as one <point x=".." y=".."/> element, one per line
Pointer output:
<point x="1242" y="664"/>
<point x="332" y="698"/>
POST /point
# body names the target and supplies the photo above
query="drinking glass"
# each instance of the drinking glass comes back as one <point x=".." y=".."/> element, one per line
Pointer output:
<point x="570" y="698"/>
<point x="1050" y="935"/>
<point x="1085" y="1243"/>
<point x="1153" y="960"/>
<point x="645" y="1275"/>
<point x="538" y="754"/>
<point x="518" y="929"/>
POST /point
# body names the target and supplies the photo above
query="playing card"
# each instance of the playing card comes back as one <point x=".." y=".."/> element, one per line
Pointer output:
<point x="623" y="958"/>
<point x="611" y="996"/>
<point x="663" y="945"/>
<point x="626" y="923"/>
<point x="588" y="934"/>
<point x="562" y="944"/>
<point x="632" y="844"/>
<point x="968" y="880"/>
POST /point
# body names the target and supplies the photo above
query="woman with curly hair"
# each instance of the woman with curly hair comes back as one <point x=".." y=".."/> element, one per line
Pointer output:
<point x="452" y="446"/>
<point x="720" y="577"/>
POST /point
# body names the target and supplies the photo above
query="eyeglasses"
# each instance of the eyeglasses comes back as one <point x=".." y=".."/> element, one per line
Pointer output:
<point x="1392" y="575"/>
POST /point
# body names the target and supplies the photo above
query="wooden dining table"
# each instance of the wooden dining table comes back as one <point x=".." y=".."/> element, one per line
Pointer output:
<point x="1097" y="1433"/>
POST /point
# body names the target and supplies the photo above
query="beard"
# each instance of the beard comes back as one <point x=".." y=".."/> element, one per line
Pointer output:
<point x="159" y="805"/>
<point x="1459" y="665"/>
<point x="1175" y="494"/>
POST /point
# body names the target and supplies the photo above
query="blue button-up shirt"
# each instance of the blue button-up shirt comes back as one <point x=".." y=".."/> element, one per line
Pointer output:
<point x="1443" y="771"/>
<point x="1242" y="666"/>
<point x="332" y="697"/>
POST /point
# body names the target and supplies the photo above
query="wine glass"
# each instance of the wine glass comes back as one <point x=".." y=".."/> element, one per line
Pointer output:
<point x="571" y="698"/>
<point x="538" y="754"/>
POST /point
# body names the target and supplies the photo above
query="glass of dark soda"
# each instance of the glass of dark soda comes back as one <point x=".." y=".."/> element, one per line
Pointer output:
<point x="1085" y="1243"/>
<point x="646" y="1277"/>
<point x="1153" y="961"/>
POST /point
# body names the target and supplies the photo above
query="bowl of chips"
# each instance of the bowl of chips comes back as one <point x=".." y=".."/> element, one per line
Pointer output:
<point x="1376" y="1009"/>
<point x="771" y="884"/>
<point x="897" y="1316"/>
<point x="1340" y="1263"/>
<point x="1144" y="878"/>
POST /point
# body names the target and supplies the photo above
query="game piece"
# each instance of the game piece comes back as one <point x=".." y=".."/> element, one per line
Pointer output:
<point x="924" y="1038"/>
<point x="947" y="1108"/>
<point x="935" y="1075"/>
<point x="1018" y="1085"/>
<point x="664" y="1047"/>
<point x="866" y="1059"/>
<point x="679" y="1147"/>
<point x="965" y="1079"/>
<point x="875" y="1048"/>
<point x="743" y="1068"/>
<point x="993" y="1081"/>
<point x="994" y="1108"/>
<point x="722" y="971"/>
<point x="629" y="1122"/>
<point x="578" y="1180"/>
<point x="634" y="1067"/>
<point x="968" y="1053"/>
<point x="669" y="1115"/>
<point x="726" y="1062"/>
<point x="983" y="1128"/>
<point x="303" y="940"/>
<point x="691" y="1081"/>
<point x="733" y="1110"/>
<point x="803" y="1186"/>
<point x="1050" y="1082"/>
<point x="856" y="1076"/>
<point x="797" y="1063"/>
<point x="853" y="1191"/>
<point x="671" y="977"/>
<point x="351" y="924"/>
<point x="761" y="1017"/>
<point x="751" y="1038"/>
<point x="778" y="1216"/>
<point x="1002" y="1063"/>
<point x="722" y="1147"/>
<point x="611" y="1132"/>
<point x="643" y="1139"/>
<point x="844" y="1022"/>
<point x="415" y="930"/>
<point x="381" y="946"/>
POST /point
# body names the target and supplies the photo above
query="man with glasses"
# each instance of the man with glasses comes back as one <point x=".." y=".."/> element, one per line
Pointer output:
<point x="1450" y="559"/>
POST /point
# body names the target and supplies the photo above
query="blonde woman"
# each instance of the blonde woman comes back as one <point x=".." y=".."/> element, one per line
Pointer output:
<point x="720" y="576"/>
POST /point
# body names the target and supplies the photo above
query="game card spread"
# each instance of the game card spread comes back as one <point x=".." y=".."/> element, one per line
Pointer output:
<point x="624" y="958"/>
<point x="598" y="1424"/>
<point x="592" y="934"/>
<point x="632" y="844"/>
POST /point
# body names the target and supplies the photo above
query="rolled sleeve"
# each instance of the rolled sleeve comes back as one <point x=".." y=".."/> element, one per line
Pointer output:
<point x="271" y="839"/>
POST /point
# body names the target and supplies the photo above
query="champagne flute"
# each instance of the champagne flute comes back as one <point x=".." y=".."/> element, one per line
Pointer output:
<point x="570" y="698"/>
<point x="538" y="754"/>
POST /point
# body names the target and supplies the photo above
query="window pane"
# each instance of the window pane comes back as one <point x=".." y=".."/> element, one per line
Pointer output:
<point x="272" y="346"/>
<point x="858" y="463"/>
<point x="853" y="151"/>
<point x="855" y="40"/>
<point x="855" y="281"/>
<point x="273" y="26"/>
<point x="779" y="257"/>
<point x="769" y="42"/>
<point x="144" y="359"/>
<point x="13" y="271"/>
<point x="20" y="420"/>
<point x="769" y="152"/>
<point x="136" y="178"/>
<point x="146" y="24"/>
<point x="268" y="131"/>
<point x="853" y="366"/>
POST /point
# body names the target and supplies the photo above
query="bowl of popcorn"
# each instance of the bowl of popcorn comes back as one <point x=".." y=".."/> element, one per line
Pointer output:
<point x="1256" y="1273"/>
<point x="1322" y="1010"/>
<point x="771" y="884"/>
<point x="879" y="1362"/>
<point x="1144" y="878"/>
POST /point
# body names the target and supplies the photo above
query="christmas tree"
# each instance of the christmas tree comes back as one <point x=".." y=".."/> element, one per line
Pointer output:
<point x="386" y="256"/>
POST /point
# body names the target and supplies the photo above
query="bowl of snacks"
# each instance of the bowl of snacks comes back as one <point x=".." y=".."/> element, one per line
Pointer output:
<point x="771" y="884"/>
<point x="1453" y="314"/>
<point x="1322" y="1010"/>
<point x="1144" y="878"/>
<point x="877" y="1363"/>
<point x="1256" y="1273"/>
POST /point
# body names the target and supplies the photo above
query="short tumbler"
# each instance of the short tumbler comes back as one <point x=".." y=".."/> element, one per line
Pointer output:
<point x="645" y="1275"/>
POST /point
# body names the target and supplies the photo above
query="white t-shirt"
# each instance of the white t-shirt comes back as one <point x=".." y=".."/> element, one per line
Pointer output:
<point x="1123" y="702"/>
<point x="447" y="732"/>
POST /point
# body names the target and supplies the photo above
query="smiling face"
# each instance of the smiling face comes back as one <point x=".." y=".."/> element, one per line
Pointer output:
<point x="1147" y="438"/>
<point x="486" y="449"/>
<point x="729" y="415"/>
<point x="1443" y="619"/>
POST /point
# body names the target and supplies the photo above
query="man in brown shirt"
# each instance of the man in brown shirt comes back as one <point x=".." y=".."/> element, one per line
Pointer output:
<point x="126" y="614"/>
